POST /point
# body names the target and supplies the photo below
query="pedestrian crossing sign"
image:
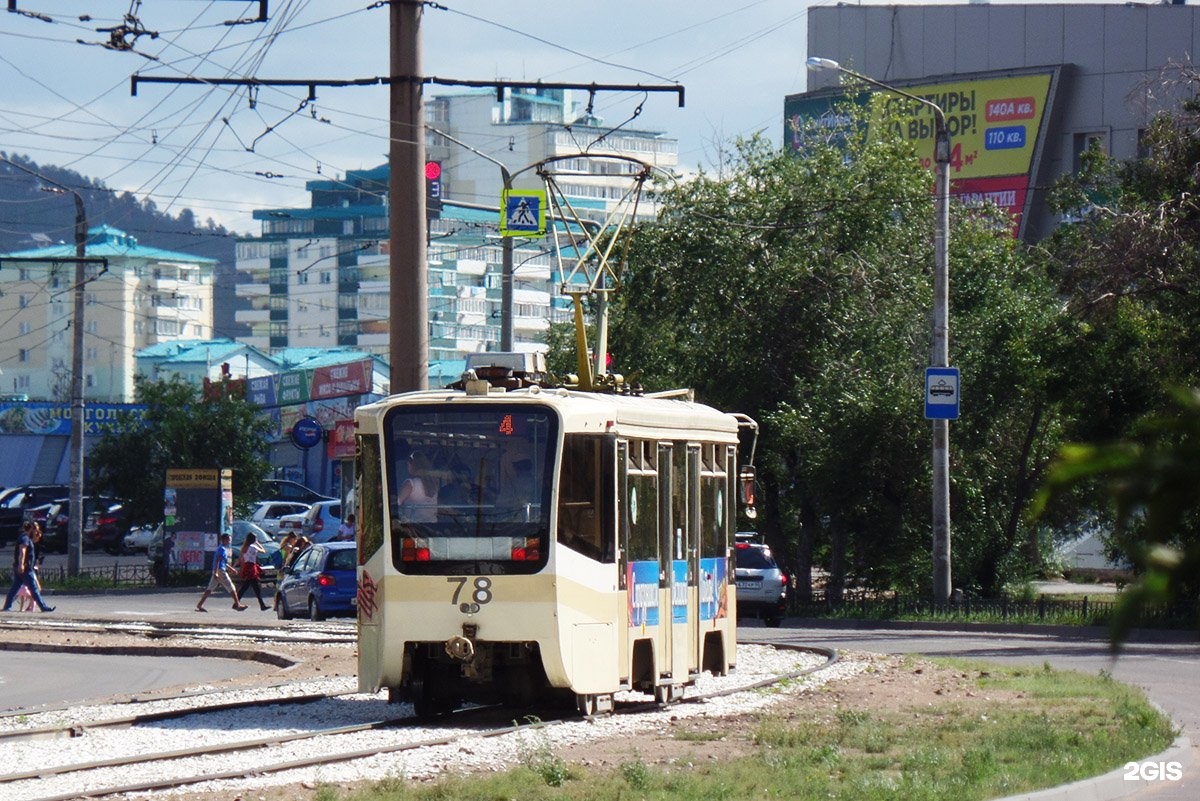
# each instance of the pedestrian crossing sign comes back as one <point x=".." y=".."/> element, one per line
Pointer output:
<point x="523" y="212"/>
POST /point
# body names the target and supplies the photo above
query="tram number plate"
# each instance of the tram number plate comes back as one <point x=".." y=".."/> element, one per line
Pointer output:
<point x="749" y="584"/>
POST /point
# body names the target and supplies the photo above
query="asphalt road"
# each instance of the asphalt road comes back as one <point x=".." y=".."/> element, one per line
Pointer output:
<point x="1165" y="665"/>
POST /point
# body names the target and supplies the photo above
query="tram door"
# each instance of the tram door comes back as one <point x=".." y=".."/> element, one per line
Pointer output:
<point x="694" y="518"/>
<point x="674" y="553"/>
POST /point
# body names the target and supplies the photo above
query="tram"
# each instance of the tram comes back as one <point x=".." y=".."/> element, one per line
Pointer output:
<point x="519" y="542"/>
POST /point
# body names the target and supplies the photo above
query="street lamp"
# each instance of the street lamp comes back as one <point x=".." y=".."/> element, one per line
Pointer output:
<point x="939" y="354"/>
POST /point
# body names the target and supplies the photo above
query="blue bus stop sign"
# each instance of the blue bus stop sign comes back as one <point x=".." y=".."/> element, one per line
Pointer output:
<point x="307" y="432"/>
<point x="941" y="393"/>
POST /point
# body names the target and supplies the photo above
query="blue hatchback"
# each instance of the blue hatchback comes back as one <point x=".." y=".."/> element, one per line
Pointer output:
<point x="323" y="581"/>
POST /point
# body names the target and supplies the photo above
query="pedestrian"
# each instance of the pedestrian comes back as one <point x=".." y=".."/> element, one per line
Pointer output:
<point x="251" y="571"/>
<point x="25" y="567"/>
<point x="346" y="529"/>
<point x="302" y="544"/>
<point x="220" y="575"/>
<point x="287" y="546"/>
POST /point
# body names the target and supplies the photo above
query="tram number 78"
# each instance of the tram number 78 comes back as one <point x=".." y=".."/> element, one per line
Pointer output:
<point x="481" y="595"/>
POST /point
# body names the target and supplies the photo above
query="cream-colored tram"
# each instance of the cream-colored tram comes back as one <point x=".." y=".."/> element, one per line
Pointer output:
<point x="527" y="543"/>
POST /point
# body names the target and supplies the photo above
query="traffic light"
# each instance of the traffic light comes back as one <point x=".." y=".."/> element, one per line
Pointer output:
<point x="433" y="189"/>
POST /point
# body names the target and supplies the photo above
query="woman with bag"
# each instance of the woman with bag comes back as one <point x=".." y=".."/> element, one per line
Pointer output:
<point x="251" y="572"/>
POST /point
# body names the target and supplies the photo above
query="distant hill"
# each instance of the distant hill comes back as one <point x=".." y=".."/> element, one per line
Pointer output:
<point x="31" y="218"/>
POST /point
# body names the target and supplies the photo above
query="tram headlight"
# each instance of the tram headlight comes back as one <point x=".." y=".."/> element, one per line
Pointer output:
<point x="414" y="549"/>
<point x="526" y="549"/>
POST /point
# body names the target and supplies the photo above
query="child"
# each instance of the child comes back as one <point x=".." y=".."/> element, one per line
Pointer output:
<point x="24" y="599"/>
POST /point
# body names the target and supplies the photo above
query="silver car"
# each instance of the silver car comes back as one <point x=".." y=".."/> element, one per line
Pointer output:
<point x="761" y="585"/>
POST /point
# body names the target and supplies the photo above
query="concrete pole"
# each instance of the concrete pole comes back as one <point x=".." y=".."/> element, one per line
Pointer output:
<point x="76" y="515"/>
<point x="939" y="353"/>
<point x="408" y="333"/>
<point x="940" y="357"/>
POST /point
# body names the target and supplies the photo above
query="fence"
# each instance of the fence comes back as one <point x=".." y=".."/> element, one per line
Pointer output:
<point x="117" y="574"/>
<point x="1084" y="611"/>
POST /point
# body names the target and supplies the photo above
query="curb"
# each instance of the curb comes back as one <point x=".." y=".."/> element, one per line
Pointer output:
<point x="246" y="654"/>
<point x="1111" y="785"/>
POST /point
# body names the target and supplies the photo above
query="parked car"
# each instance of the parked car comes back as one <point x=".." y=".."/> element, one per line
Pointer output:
<point x="15" y="500"/>
<point x="267" y="513"/>
<point x="275" y="489"/>
<point x="139" y="538"/>
<point x="323" y="580"/>
<point x="319" y="524"/>
<point x="106" y="528"/>
<point x="761" y="585"/>
<point x="55" y="519"/>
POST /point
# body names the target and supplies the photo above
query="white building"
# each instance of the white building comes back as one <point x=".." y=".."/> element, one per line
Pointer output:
<point x="530" y="126"/>
<point x="142" y="297"/>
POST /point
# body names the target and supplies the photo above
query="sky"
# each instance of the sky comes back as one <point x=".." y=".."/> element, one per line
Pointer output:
<point x="65" y="99"/>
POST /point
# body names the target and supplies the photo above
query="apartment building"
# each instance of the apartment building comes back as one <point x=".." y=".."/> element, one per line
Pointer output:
<point x="139" y="297"/>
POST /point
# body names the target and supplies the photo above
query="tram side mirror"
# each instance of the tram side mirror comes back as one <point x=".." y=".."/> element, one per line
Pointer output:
<point x="748" y="491"/>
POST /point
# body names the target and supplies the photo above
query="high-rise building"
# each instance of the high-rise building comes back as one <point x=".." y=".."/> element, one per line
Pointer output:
<point x="319" y="276"/>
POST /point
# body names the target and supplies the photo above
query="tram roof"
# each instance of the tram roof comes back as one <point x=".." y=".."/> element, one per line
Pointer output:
<point x="596" y="412"/>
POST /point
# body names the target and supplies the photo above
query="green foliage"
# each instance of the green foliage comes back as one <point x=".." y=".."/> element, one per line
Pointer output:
<point x="179" y="430"/>
<point x="797" y="289"/>
<point x="1152" y="480"/>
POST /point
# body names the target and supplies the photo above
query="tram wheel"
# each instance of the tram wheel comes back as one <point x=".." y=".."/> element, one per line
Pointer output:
<point x="664" y="694"/>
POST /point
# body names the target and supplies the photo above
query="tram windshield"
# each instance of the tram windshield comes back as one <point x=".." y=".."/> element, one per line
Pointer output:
<point x="469" y="487"/>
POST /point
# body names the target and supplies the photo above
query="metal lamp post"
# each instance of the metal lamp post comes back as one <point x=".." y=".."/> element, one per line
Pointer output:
<point x="939" y="354"/>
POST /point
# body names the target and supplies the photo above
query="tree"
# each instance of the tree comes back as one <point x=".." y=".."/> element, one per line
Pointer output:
<point x="179" y="429"/>
<point x="796" y="288"/>
<point x="1152" y="481"/>
<point x="1128" y="270"/>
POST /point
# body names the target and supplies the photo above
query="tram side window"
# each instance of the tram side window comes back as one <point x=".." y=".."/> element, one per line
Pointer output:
<point x="582" y="497"/>
<point x="641" y="503"/>
<point x="713" y="503"/>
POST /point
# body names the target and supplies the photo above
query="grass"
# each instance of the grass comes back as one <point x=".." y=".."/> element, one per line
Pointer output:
<point x="1049" y="728"/>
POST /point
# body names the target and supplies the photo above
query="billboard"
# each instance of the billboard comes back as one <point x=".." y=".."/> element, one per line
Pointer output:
<point x="996" y="125"/>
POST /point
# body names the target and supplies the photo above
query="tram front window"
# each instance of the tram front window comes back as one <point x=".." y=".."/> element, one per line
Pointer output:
<point x="469" y="486"/>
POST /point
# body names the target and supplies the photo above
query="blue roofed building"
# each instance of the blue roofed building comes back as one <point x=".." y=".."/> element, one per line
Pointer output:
<point x="197" y="359"/>
<point x="141" y="297"/>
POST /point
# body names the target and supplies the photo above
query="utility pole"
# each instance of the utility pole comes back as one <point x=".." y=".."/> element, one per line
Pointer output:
<point x="75" y="520"/>
<point x="939" y="355"/>
<point x="408" y="333"/>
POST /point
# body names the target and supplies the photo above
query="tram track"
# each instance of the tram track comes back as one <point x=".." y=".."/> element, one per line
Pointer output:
<point x="173" y="768"/>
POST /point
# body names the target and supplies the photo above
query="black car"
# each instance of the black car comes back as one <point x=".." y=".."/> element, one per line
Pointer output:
<point x="15" y="500"/>
<point x="55" y="519"/>
<point x="106" y="528"/>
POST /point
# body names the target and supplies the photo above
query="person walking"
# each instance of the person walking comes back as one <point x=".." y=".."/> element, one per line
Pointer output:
<point x="220" y="575"/>
<point x="251" y="571"/>
<point x="25" y="567"/>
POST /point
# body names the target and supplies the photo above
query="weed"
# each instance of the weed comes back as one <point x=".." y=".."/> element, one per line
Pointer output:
<point x="636" y="773"/>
